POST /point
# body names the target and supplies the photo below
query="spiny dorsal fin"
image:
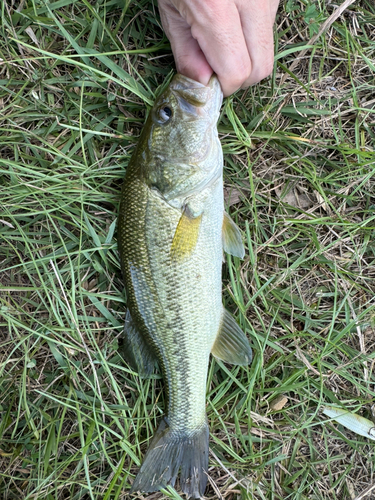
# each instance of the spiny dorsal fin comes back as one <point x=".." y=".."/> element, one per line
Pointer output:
<point x="186" y="235"/>
<point x="232" y="240"/>
<point x="231" y="344"/>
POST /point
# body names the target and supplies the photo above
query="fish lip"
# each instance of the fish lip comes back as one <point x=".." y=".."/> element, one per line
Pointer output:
<point x="206" y="97"/>
<point x="180" y="81"/>
<point x="215" y="86"/>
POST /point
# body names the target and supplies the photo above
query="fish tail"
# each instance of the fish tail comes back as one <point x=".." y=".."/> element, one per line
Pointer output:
<point x="171" y="451"/>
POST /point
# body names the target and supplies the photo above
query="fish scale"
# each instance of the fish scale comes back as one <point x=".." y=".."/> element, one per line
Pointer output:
<point x="188" y="322"/>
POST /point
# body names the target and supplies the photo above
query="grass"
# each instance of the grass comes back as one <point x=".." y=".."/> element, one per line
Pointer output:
<point x="76" y="79"/>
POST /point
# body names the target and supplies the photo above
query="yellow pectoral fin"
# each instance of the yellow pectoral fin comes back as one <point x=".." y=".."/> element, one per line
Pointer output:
<point x="186" y="236"/>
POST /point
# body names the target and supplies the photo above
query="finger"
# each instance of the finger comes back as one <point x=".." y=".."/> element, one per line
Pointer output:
<point x="189" y="58"/>
<point x="258" y="32"/>
<point x="217" y="28"/>
<point x="274" y="5"/>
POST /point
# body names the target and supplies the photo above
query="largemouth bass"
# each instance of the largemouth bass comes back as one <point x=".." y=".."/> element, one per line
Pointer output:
<point x="172" y="231"/>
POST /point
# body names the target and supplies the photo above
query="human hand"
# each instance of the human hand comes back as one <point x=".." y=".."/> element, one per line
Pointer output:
<point x="232" y="38"/>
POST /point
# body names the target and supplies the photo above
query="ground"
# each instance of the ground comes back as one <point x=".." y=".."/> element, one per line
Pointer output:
<point x="76" y="80"/>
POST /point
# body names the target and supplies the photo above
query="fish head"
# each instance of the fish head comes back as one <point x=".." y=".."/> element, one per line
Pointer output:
<point x="181" y="148"/>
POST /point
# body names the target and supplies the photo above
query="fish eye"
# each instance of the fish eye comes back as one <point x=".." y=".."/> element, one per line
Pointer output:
<point x="165" y="113"/>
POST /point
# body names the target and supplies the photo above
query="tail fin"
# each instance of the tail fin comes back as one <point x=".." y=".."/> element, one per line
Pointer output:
<point x="169" y="451"/>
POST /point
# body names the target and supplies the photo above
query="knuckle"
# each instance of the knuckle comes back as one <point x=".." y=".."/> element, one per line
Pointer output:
<point x="195" y="31"/>
<point x="241" y="74"/>
<point x="262" y="69"/>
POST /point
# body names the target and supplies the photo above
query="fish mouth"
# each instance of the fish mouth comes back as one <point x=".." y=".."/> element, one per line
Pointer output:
<point x="205" y="98"/>
<point x="216" y="91"/>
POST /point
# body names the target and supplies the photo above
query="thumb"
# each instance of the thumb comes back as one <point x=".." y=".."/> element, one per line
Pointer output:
<point x="189" y="58"/>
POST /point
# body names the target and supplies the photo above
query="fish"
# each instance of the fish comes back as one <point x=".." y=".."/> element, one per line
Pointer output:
<point x="172" y="230"/>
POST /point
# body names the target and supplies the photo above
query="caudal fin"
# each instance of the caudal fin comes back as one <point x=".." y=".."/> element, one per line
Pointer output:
<point x="171" y="451"/>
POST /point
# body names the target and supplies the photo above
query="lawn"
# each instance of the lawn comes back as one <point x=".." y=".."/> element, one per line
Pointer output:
<point x="77" y="79"/>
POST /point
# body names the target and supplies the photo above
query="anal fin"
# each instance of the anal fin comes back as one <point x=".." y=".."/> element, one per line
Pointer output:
<point x="231" y="344"/>
<point x="135" y="349"/>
